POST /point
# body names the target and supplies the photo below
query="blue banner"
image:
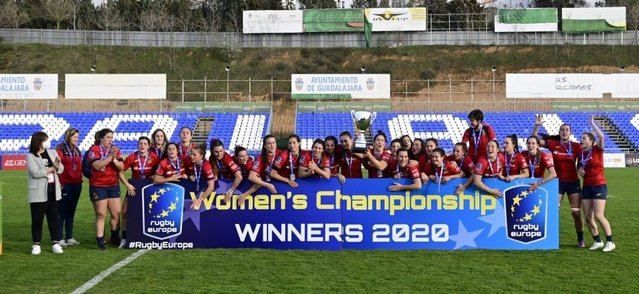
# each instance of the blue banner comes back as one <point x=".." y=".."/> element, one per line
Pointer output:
<point x="359" y="214"/>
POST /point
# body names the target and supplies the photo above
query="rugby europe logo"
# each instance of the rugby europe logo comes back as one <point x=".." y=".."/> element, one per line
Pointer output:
<point x="162" y="210"/>
<point x="526" y="214"/>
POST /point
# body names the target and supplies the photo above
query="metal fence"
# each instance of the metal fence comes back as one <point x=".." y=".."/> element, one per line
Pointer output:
<point x="467" y="33"/>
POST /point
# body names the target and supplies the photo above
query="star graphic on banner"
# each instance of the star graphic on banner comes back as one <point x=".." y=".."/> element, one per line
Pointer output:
<point x="465" y="238"/>
<point x="164" y="213"/>
<point x="535" y="210"/>
<point x="527" y="217"/>
<point x="162" y="190"/>
<point x="495" y="219"/>
<point x="154" y="197"/>
<point x="193" y="215"/>
<point x="172" y="207"/>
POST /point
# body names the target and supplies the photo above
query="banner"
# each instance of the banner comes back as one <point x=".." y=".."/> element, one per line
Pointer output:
<point x="340" y="86"/>
<point x="28" y="86"/>
<point x="272" y="21"/>
<point x="625" y="85"/>
<point x="632" y="159"/>
<point x="13" y="162"/>
<point x="333" y="20"/>
<point x="526" y="20"/>
<point x="361" y="214"/>
<point x="614" y="160"/>
<point x="396" y="19"/>
<point x="223" y="107"/>
<point x="593" y="20"/>
<point x="559" y="85"/>
<point x="115" y="86"/>
<point x="323" y="106"/>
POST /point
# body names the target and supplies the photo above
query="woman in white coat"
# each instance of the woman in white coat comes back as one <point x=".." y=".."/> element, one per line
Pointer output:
<point x="44" y="166"/>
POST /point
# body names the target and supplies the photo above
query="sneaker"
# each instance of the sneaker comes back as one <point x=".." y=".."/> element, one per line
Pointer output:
<point x="596" y="246"/>
<point x="101" y="246"/>
<point x="57" y="249"/>
<point x="115" y="241"/>
<point x="581" y="244"/>
<point x="62" y="243"/>
<point x="35" y="250"/>
<point x="610" y="246"/>
<point x="71" y="242"/>
<point x="122" y="244"/>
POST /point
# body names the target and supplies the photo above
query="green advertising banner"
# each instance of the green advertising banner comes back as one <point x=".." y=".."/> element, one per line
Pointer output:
<point x="593" y="20"/>
<point x="528" y="16"/>
<point x="595" y="106"/>
<point x="342" y="106"/>
<point x="223" y="107"/>
<point x="333" y="20"/>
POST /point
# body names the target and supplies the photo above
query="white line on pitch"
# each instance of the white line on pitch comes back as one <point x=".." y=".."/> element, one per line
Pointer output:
<point x="97" y="279"/>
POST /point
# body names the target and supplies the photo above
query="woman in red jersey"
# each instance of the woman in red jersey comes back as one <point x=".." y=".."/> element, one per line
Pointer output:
<point x="417" y="149"/>
<point x="104" y="191"/>
<point x="595" y="188"/>
<point x="565" y="154"/>
<point x="172" y="168"/>
<point x="350" y="162"/>
<point x="478" y="135"/>
<point x="142" y="164"/>
<point x="516" y="165"/>
<point x="376" y="159"/>
<point x="538" y="163"/>
<point x="394" y="147"/>
<point x="315" y="163"/>
<point x="440" y="170"/>
<point x="71" y="181"/>
<point x="158" y="146"/>
<point x="402" y="169"/>
<point x="243" y="160"/>
<point x="199" y="172"/>
<point x="186" y="143"/>
<point x="225" y="167"/>
<point x="489" y="166"/>
<point x="464" y="162"/>
<point x="332" y="152"/>
<point x="260" y="173"/>
<point x="407" y="142"/>
<point x="287" y="163"/>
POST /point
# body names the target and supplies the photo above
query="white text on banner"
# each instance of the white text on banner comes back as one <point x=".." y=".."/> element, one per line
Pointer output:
<point x="272" y="21"/>
<point x="340" y="86"/>
<point x="28" y="86"/>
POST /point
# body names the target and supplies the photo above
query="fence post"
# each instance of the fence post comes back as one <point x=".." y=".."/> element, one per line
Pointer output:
<point x="472" y="90"/>
<point x="406" y="89"/>
<point x="205" y="90"/>
<point x="450" y="89"/>
<point x="182" y="91"/>
<point x="272" y="98"/>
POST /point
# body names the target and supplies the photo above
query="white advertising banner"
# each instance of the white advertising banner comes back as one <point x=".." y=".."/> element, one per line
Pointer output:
<point x="614" y="160"/>
<point x="340" y="86"/>
<point x="626" y="85"/>
<point x="554" y="85"/>
<point x="115" y="86"/>
<point x="28" y="86"/>
<point x="397" y="19"/>
<point x="272" y="21"/>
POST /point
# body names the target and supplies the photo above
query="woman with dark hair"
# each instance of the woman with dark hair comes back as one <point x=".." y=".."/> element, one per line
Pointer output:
<point x="417" y="149"/>
<point x="225" y="167"/>
<point x="516" y="165"/>
<point x="478" y="135"/>
<point x="287" y="163"/>
<point x="71" y="181"/>
<point x="464" y="162"/>
<point x="424" y="159"/>
<point x="403" y="169"/>
<point x="440" y="170"/>
<point x="595" y="189"/>
<point x="538" y="163"/>
<point x="376" y="159"/>
<point x="104" y="191"/>
<point x="407" y="142"/>
<point x="198" y="168"/>
<point x="142" y="164"/>
<point x="395" y="145"/>
<point x="172" y="168"/>
<point x="44" y="166"/>
<point x="315" y="163"/>
<point x="489" y="166"/>
<point x="565" y="154"/>
<point x="158" y="146"/>
<point x="350" y="162"/>
<point x="332" y="151"/>
<point x="186" y="143"/>
<point x="260" y="173"/>
<point x="243" y="160"/>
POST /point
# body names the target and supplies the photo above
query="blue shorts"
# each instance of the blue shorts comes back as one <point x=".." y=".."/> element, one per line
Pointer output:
<point x="599" y="192"/>
<point x="102" y="193"/>
<point x="569" y="187"/>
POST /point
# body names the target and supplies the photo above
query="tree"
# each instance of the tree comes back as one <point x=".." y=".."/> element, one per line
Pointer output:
<point x="12" y="15"/>
<point x="289" y="4"/>
<point x="560" y="3"/>
<point x="85" y="15"/>
<point x="155" y="17"/>
<point x="108" y="17"/>
<point x="57" y="11"/>
<point x="317" y="4"/>
<point x="364" y="4"/>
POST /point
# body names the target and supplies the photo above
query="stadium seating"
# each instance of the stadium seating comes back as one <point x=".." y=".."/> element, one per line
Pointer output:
<point x="448" y="128"/>
<point x="246" y="129"/>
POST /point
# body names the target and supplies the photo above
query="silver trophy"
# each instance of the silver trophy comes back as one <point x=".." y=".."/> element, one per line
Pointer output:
<point x="363" y="120"/>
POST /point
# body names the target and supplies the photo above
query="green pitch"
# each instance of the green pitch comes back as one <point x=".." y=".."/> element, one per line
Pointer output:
<point x="250" y="270"/>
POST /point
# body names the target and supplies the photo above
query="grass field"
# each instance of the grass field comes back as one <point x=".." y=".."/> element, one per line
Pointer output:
<point x="566" y="270"/>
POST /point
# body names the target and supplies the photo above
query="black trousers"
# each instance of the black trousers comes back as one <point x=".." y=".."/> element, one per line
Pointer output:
<point x="39" y="210"/>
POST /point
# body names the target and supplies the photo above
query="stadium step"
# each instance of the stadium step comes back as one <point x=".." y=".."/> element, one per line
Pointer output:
<point x="202" y="129"/>
<point x="615" y="134"/>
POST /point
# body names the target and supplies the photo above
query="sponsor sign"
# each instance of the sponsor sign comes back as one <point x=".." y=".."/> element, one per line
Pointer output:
<point x="333" y="20"/>
<point x="28" y="86"/>
<point x="614" y="160"/>
<point x="115" y="86"/>
<point x="272" y="21"/>
<point x="359" y="214"/>
<point x="526" y="20"/>
<point x="593" y="20"/>
<point x="14" y="162"/>
<point x="340" y="86"/>
<point x="551" y="85"/>
<point x="396" y="19"/>
<point x="632" y="159"/>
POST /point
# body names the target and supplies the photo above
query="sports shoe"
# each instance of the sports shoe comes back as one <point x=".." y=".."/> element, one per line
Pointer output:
<point x="35" y="250"/>
<point x="596" y="246"/>
<point x="71" y="242"/>
<point x="610" y="246"/>
<point x="581" y="244"/>
<point x="56" y="248"/>
<point x="122" y="244"/>
<point x="62" y="243"/>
